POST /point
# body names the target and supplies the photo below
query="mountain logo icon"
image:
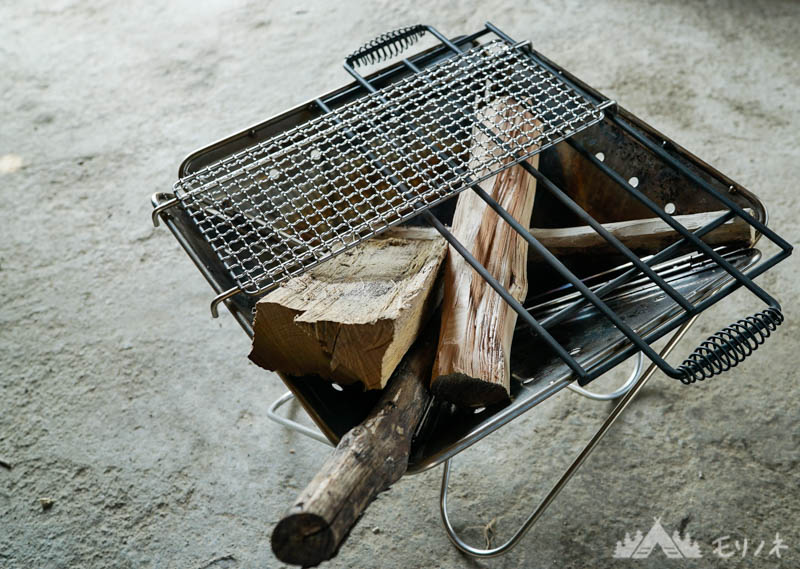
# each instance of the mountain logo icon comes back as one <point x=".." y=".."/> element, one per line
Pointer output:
<point x="641" y="546"/>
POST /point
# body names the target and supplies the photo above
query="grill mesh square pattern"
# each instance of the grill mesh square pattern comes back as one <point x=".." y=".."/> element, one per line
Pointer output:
<point x="282" y="206"/>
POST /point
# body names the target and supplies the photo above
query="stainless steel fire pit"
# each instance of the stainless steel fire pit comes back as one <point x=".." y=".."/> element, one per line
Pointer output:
<point x="280" y="197"/>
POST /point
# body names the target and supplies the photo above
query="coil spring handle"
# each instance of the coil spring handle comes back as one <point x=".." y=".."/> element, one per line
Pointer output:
<point x="730" y="346"/>
<point x="386" y="46"/>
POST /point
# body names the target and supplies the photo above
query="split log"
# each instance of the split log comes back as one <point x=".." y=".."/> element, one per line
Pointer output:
<point x="472" y="366"/>
<point x="367" y="460"/>
<point x="643" y="236"/>
<point x="354" y="317"/>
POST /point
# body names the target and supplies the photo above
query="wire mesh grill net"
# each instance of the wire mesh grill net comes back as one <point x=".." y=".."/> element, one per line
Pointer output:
<point x="286" y="204"/>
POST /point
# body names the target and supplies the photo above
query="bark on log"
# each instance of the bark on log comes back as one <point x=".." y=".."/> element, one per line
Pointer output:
<point x="472" y="361"/>
<point x="368" y="459"/>
<point x="354" y="317"/>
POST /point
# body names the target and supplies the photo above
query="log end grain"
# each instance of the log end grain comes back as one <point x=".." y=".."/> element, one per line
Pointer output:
<point x="303" y="539"/>
<point x="466" y="391"/>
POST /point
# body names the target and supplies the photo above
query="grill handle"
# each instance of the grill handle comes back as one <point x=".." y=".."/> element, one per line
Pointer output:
<point x="730" y="346"/>
<point x="386" y="46"/>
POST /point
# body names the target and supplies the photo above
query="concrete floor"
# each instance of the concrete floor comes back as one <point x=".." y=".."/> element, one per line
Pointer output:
<point x="141" y="418"/>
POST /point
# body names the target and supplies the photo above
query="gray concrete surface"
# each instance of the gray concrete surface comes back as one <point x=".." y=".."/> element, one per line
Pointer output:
<point x="141" y="418"/>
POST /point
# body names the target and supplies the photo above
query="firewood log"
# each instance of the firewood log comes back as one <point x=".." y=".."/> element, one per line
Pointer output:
<point x="354" y="317"/>
<point x="367" y="460"/>
<point x="472" y="361"/>
<point x="642" y="236"/>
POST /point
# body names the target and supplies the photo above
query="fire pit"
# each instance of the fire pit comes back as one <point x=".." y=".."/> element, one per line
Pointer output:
<point x="281" y="197"/>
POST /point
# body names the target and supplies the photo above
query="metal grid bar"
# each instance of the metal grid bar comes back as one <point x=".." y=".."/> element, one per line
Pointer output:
<point x="731" y="345"/>
<point x="785" y="246"/>
<point x="669" y="220"/>
<point x="395" y="147"/>
<point x="471" y="260"/>
<point x="575" y="208"/>
<point x="587" y="293"/>
<point x="631" y="273"/>
<point x="303" y="196"/>
<point x="643" y="266"/>
<point x="638" y="343"/>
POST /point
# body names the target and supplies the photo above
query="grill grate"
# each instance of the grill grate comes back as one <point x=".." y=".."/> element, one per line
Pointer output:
<point x="286" y="204"/>
<point x="264" y="227"/>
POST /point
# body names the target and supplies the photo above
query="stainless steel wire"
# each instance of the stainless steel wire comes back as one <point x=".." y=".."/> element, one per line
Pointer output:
<point x="281" y="206"/>
<point x="570" y="471"/>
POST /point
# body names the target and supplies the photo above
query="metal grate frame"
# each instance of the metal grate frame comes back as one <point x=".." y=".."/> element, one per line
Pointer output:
<point x="280" y="207"/>
<point x="286" y="204"/>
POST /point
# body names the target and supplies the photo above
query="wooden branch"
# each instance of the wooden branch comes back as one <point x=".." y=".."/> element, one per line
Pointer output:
<point x="368" y="459"/>
<point x="472" y="361"/>
<point x="354" y="317"/>
<point x="642" y="236"/>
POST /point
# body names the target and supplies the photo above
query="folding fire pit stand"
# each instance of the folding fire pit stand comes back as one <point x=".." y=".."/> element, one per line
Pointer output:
<point x="279" y="198"/>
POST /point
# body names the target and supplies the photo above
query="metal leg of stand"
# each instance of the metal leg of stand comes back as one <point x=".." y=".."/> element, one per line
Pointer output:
<point x="565" y="477"/>
<point x="617" y="393"/>
<point x="293" y="425"/>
